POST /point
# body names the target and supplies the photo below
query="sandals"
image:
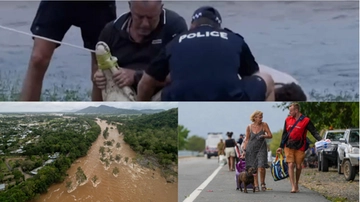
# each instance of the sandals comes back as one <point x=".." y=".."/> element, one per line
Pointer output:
<point x="263" y="187"/>
<point x="257" y="189"/>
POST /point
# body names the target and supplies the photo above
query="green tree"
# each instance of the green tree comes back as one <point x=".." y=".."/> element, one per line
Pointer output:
<point x="107" y="162"/>
<point x="118" y="157"/>
<point x="1" y="176"/>
<point x="68" y="185"/>
<point x="94" y="179"/>
<point x="323" y="115"/>
<point x="17" y="174"/>
<point x="102" y="150"/>
<point x="330" y="114"/>
<point x="80" y="176"/>
<point x="115" y="170"/>
<point x="182" y="136"/>
<point x="275" y="141"/>
<point x="195" y="143"/>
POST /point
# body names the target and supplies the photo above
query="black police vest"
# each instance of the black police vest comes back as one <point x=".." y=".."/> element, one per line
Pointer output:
<point x="205" y="61"/>
<point x="206" y="54"/>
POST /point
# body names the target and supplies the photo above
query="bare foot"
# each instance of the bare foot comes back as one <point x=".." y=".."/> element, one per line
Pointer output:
<point x="297" y="189"/>
<point x="293" y="190"/>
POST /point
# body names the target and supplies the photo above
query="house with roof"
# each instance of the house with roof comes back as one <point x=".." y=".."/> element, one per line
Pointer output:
<point x="2" y="187"/>
<point x="55" y="156"/>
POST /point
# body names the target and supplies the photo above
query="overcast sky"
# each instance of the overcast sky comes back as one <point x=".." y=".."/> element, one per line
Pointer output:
<point x="201" y="118"/>
<point x="66" y="106"/>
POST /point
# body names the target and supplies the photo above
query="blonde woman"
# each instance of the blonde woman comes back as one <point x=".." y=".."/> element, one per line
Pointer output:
<point x="255" y="147"/>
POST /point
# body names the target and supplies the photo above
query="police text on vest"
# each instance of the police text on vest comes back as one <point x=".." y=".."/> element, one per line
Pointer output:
<point x="222" y="35"/>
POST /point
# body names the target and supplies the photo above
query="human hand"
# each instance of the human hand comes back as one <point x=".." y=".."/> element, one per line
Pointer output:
<point x="124" y="77"/>
<point x="260" y="136"/>
<point x="99" y="79"/>
<point x="279" y="150"/>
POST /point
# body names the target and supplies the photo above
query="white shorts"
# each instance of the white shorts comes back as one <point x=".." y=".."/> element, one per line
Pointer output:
<point x="230" y="151"/>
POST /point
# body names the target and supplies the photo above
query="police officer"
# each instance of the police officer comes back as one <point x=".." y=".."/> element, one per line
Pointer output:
<point x="204" y="64"/>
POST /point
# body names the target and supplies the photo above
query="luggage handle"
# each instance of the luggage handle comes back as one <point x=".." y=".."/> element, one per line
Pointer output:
<point x="279" y="156"/>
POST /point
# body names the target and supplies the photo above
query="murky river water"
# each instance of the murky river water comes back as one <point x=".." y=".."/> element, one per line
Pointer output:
<point x="316" y="42"/>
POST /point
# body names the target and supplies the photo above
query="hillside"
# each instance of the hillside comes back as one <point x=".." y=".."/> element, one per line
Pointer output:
<point x="167" y="118"/>
<point x="103" y="109"/>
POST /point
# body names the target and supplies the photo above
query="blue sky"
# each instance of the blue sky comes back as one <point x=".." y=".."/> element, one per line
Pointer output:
<point x="201" y="118"/>
<point x="60" y="106"/>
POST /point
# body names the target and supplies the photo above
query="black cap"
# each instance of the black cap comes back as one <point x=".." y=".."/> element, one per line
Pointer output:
<point x="207" y="12"/>
<point x="241" y="134"/>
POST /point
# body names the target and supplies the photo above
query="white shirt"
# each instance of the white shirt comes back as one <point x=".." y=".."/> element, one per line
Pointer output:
<point x="278" y="76"/>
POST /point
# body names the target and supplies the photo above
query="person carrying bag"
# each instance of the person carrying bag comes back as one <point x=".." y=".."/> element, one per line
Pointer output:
<point x="295" y="142"/>
<point x="279" y="168"/>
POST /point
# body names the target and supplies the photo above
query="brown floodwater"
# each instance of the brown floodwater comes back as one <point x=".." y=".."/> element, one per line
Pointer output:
<point x="133" y="183"/>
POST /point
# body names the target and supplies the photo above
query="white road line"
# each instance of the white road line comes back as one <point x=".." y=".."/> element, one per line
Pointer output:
<point x="198" y="190"/>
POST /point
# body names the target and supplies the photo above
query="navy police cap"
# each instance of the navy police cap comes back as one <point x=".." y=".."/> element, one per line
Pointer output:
<point x="207" y="12"/>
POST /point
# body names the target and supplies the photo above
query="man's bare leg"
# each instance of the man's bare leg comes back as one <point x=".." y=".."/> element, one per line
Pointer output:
<point x="291" y="176"/>
<point x="298" y="173"/>
<point x="157" y="97"/>
<point x="96" y="94"/>
<point x="38" y="65"/>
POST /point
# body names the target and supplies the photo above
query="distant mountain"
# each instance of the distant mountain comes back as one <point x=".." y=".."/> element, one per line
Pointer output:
<point x="69" y="111"/>
<point x="151" y="111"/>
<point x="103" y="109"/>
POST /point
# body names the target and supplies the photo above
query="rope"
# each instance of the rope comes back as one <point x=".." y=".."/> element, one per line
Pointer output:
<point x="46" y="39"/>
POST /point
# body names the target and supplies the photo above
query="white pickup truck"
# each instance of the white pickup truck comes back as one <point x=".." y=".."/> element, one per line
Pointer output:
<point x="328" y="157"/>
<point x="348" y="154"/>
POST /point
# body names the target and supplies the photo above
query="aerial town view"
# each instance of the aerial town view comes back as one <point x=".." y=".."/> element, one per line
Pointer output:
<point x="98" y="153"/>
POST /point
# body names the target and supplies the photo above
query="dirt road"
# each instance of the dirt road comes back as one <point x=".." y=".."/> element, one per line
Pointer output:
<point x="331" y="184"/>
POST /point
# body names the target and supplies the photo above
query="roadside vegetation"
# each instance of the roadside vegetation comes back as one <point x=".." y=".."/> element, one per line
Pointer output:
<point x="337" y="115"/>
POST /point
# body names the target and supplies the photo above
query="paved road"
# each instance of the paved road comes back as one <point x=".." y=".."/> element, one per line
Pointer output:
<point x="194" y="171"/>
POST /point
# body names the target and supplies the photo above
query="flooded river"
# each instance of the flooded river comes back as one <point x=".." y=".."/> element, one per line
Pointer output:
<point x="133" y="183"/>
